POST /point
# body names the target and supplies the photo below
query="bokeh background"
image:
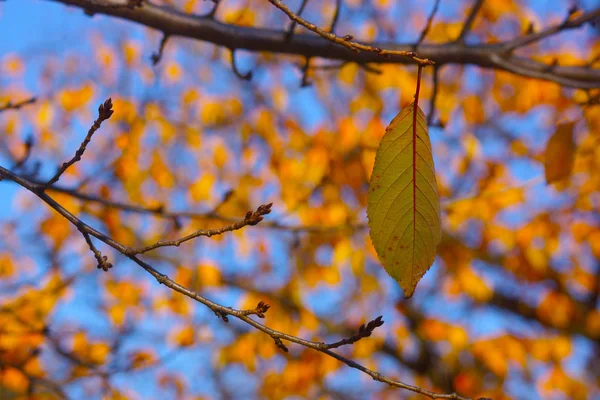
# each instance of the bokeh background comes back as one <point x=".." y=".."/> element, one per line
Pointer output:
<point x="509" y="309"/>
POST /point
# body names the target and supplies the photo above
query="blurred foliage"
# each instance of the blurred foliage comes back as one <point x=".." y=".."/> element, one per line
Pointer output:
<point x="510" y="308"/>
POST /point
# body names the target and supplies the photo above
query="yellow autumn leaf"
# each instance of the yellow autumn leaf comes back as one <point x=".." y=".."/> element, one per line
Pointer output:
<point x="403" y="204"/>
<point x="184" y="337"/>
<point x="560" y="153"/>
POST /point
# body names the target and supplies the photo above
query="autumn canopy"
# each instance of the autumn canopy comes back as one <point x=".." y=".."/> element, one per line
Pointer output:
<point x="340" y="199"/>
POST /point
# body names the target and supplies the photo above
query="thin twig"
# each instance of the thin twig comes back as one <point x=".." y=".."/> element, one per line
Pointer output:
<point x="346" y="41"/>
<point x="290" y="31"/>
<point x="15" y="106"/>
<point x="510" y="63"/>
<point x="156" y="57"/>
<point x="525" y="40"/>
<point x="305" y="82"/>
<point x="425" y="30"/>
<point x="102" y="260"/>
<point x="363" y="332"/>
<point x="252" y="218"/>
<point x="28" y="147"/>
<point x="259" y="311"/>
<point x="218" y="309"/>
<point x="336" y="15"/>
<point x="211" y="14"/>
<point x="104" y="113"/>
<point x="469" y="22"/>
<point x="245" y="77"/>
<point x="256" y="39"/>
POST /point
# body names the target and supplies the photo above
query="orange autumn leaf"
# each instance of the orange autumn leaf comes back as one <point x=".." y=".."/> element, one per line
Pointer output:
<point x="560" y="153"/>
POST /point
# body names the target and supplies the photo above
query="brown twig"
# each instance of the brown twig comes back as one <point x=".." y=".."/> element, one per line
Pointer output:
<point x="336" y="15"/>
<point x="259" y="311"/>
<point x="251" y="218"/>
<point x="102" y="260"/>
<point x="576" y="22"/>
<point x="363" y="332"/>
<point x="245" y="77"/>
<point x="28" y="147"/>
<point x="305" y="82"/>
<point x="156" y="57"/>
<point x="425" y="30"/>
<point x="218" y="309"/>
<point x="346" y="41"/>
<point x="483" y="55"/>
<point x="469" y="22"/>
<point x="15" y="106"/>
<point x="213" y="11"/>
<point x="290" y="31"/>
<point x="104" y="113"/>
<point x="162" y="212"/>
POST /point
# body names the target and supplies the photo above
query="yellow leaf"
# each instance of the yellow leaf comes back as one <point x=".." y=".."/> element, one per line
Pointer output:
<point x="201" y="189"/>
<point x="142" y="358"/>
<point x="209" y="275"/>
<point x="560" y="153"/>
<point x="160" y="171"/>
<point x="131" y="52"/>
<point x="56" y="228"/>
<point x="12" y="65"/>
<point x="220" y="156"/>
<point x="173" y="72"/>
<point x="14" y="380"/>
<point x="7" y="267"/>
<point x="45" y="115"/>
<point x="473" y="110"/>
<point x="73" y="99"/>
<point x="184" y="337"/>
<point x="403" y="204"/>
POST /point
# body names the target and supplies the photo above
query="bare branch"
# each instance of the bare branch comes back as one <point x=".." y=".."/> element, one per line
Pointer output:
<point x="245" y="77"/>
<point x="104" y="113"/>
<point x="252" y="218"/>
<point x="176" y="23"/>
<point x="363" y="332"/>
<point x="28" y="146"/>
<point x="156" y="57"/>
<point x="218" y="309"/>
<point x="530" y="38"/>
<point x="290" y="31"/>
<point x="102" y="260"/>
<point x="305" y="82"/>
<point x="336" y="15"/>
<point x="469" y="21"/>
<point x="259" y="311"/>
<point x="523" y="66"/>
<point x="213" y="11"/>
<point x="346" y="41"/>
<point x="425" y="30"/>
<point x="15" y="106"/>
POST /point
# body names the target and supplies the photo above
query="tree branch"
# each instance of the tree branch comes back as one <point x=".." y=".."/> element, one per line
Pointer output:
<point x="252" y="218"/>
<point x="15" y="106"/>
<point x="218" y="309"/>
<point x="173" y="22"/>
<point x="104" y="113"/>
<point x="425" y="30"/>
<point x="363" y="332"/>
<point x="346" y="41"/>
<point x="530" y="38"/>
<point x="469" y="21"/>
